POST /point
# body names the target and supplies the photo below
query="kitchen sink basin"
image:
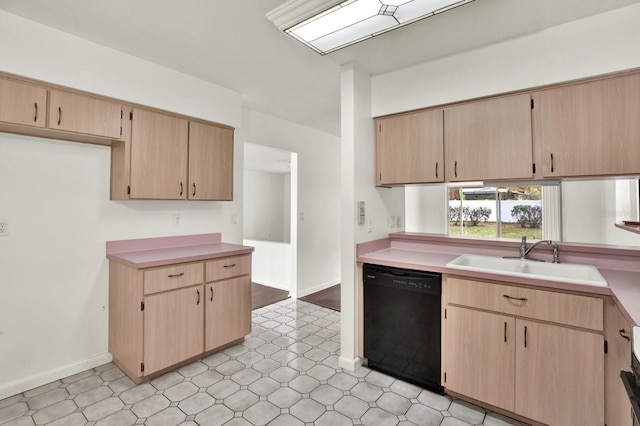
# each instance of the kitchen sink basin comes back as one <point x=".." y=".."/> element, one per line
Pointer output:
<point x="563" y="272"/>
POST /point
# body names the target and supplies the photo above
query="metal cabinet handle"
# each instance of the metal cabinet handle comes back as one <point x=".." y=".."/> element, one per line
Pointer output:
<point x="35" y="116"/>
<point x="505" y="331"/>
<point x="194" y="190"/>
<point x="229" y="266"/>
<point x="59" y="115"/>
<point x="211" y="299"/>
<point x="525" y="336"/>
<point x="198" y="300"/>
<point x="436" y="169"/>
<point x="181" y="189"/>
<point x="623" y="334"/>
<point x="175" y="275"/>
<point x="455" y="168"/>
<point x="552" y="162"/>
<point x="522" y="299"/>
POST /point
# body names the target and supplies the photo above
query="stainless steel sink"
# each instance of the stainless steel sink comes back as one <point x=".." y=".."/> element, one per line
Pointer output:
<point x="563" y="272"/>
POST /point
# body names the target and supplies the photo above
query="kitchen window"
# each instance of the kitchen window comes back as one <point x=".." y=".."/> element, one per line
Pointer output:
<point x="503" y="211"/>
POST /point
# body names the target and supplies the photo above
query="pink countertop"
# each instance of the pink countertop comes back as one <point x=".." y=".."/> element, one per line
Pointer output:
<point x="150" y="252"/>
<point x="432" y="253"/>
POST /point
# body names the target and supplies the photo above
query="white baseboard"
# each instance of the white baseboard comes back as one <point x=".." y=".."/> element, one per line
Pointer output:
<point x="319" y="287"/>
<point x="31" y="382"/>
<point x="350" y="364"/>
<point x="269" y="284"/>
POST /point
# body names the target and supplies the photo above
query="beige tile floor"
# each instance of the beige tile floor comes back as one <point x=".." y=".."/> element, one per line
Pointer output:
<point x="285" y="373"/>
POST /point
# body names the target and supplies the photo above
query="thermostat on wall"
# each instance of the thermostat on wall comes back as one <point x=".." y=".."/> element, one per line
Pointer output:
<point x="360" y="212"/>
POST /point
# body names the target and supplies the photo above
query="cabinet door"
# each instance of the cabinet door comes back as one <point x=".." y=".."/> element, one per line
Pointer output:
<point x="559" y="374"/>
<point x="210" y="162"/>
<point x="590" y="129"/>
<point x="480" y="355"/>
<point x="617" y="407"/>
<point x="489" y="139"/>
<point x="228" y="313"/>
<point x="173" y="327"/>
<point x="84" y="114"/>
<point x="158" y="156"/>
<point x="22" y="103"/>
<point x="409" y="148"/>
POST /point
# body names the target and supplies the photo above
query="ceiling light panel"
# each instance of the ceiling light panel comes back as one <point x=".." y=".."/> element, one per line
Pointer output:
<point x="346" y="23"/>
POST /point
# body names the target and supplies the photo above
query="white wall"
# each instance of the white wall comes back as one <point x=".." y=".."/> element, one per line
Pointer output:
<point x="265" y="205"/>
<point x="55" y="195"/>
<point x="596" y="45"/>
<point x="287" y="207"/>
<point x="271" y="265"/>
<point x="426" y="209"/>
<point x="590" y="210"/>
<point x="624" y="196"/>
<point x="584" y="211"/>
<point x="318" y="188"/>
<point x="358" y="177"/>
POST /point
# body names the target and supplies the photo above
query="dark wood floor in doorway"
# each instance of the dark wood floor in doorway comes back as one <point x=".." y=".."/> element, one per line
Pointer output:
<point x="262" y="295"/>
<point x="329" y="298"/>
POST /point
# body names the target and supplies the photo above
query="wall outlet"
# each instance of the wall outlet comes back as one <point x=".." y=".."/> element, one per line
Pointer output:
<point x="399" y="222"/>
<point x="175" y="219"/>
<point x="4" y="227"/>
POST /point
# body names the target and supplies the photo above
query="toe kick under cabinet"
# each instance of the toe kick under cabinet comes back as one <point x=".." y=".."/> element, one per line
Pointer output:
<point x="536" y="353"/>
<point x="163" y="317"/>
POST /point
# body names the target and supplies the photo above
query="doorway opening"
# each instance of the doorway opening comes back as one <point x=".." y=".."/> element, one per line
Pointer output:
<point x="270" y="204"/>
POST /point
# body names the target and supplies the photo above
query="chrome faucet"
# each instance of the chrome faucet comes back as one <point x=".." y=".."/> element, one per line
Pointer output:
<point x="524" y="251"/>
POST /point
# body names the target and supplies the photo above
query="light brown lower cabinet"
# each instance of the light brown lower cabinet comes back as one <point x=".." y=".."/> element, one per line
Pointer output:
<point x="552" y="373"/>
<point x="559" y="374"/>
<point x="617" y="330"/>
<point x="162" y="317"/>
<point x="481" y="356"/>
<point x="226" y="319"/>
<point x="173" y="327"/>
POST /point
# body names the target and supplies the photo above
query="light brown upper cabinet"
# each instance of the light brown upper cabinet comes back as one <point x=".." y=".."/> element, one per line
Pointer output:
<point x="174" y="159"/>
<point x="22" y="103"/>
<point x="489" y="139"/>
<point x="159" y="146"/>
<point x="210" y="162"/>
<point x="409" y="148"/>
<point x="78" y="113"/>
<point x="589" y="129"/>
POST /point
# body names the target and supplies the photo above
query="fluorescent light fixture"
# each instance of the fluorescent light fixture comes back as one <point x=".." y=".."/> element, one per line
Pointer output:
<point x="329" y="25"/>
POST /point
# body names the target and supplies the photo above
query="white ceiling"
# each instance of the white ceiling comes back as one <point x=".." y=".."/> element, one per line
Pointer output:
<point x="232" y="44"/>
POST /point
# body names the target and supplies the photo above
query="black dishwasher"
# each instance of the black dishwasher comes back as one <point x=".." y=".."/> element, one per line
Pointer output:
<point x="402" y="323"/>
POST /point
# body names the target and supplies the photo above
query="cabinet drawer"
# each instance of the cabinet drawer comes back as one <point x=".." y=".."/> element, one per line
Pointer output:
<point x="172" y="277"/>
<point x="227" y="267"/>
<point x="568" y="309"/>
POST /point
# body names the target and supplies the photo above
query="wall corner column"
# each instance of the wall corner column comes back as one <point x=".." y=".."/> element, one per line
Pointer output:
<point x="356" y="128"/>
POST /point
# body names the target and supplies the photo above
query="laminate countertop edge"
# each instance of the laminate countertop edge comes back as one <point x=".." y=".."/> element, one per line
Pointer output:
<point x="141" y="259"/>
<point x="623" y="284"/>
